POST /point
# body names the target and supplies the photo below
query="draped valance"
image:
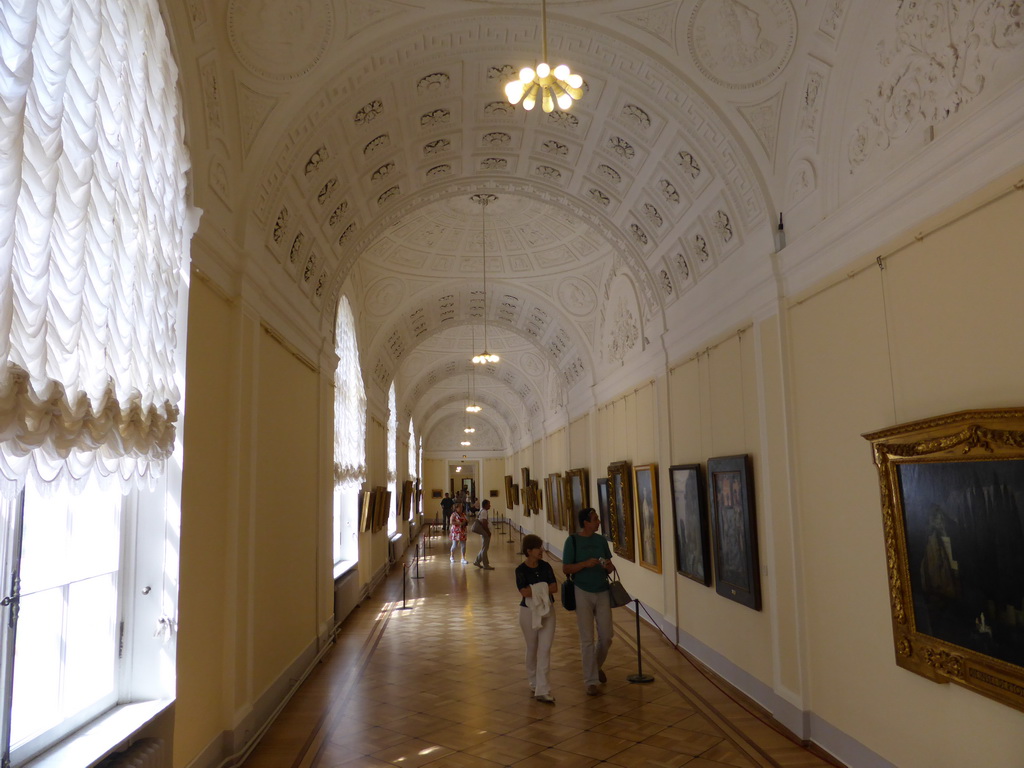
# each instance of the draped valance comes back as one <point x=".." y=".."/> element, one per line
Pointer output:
<point x="94" y="232"/>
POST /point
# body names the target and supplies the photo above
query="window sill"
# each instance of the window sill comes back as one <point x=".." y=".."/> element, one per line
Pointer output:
<point x="344" y="566"/>
<point x="102" y="736"/>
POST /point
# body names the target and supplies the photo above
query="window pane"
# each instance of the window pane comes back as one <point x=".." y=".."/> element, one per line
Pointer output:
<point x="37" y="665"/>
<point x="91" y="650"/>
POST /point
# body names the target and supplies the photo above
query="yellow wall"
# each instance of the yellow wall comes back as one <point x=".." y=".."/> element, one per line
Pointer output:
<point x="933" y="332"/>
<point x="205" y="524"/>
<point x="284" y="525"/>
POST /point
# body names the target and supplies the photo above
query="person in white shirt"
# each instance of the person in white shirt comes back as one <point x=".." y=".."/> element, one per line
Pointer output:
<point x="483" y="527"/>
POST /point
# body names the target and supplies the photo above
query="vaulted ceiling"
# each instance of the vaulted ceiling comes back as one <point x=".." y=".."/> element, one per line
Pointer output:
<point x="338" y="146"/>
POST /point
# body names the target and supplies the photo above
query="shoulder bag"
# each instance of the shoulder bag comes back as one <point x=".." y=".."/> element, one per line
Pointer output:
<point x="568" y="588"/>
<point x="618" y="593"/>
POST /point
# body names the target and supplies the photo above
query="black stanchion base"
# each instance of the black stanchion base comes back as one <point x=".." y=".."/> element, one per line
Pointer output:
<point x="404" y="608"/>
<point x="640" y="679"/>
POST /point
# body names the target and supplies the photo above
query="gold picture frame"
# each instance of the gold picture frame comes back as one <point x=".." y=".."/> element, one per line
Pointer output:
<point x="508" y="492"/>
<point x="577" y="483"/>
<point x="620" y="506"/>
<point x="953" y="536"/>
<point x="648" y="516"/>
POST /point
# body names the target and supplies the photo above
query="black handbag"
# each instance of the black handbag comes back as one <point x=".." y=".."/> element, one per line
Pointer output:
<point x="568" y="588"/>
<point x="568" y="594"/>
<point x="618" y="593"/>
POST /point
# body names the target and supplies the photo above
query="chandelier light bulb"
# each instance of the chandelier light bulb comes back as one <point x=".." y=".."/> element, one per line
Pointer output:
<point x="469" y="430"/>
<point x="559" y="86"/>
<point x="474" y="408"/>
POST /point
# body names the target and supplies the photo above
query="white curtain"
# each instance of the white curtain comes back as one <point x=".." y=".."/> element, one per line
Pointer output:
<point x="413" y="466"/>
<point x="349" y="403"/>
<point x="392" y="436"/>
<point x="94" y="230"/>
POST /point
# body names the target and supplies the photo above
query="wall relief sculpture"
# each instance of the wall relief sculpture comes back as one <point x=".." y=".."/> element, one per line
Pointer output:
<point x="741" y="44"/>
<point x="938" y="61"/>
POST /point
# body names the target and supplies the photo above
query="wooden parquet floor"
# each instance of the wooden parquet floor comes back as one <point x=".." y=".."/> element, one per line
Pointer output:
<point x="437" y="679"/>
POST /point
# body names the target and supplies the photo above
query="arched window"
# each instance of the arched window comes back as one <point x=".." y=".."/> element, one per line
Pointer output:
<point x="393" y="459"/>
<point x="414" y="466"/>
<point x="94" y="234"/>
<point x="349" y="437"/>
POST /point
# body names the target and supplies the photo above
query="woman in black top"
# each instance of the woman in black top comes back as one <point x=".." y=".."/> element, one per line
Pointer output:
<point x="537" y="615"/>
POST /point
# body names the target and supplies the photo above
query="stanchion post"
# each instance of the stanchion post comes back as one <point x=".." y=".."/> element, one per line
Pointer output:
<point x="405" y="570"/>
<point x="417" y="575"/>
<point x="639" y="677"/>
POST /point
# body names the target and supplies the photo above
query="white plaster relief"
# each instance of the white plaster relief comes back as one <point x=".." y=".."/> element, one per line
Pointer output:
<point x="577" y="296"/>
<point x="938" y="61"/>
<point x="832" y="17"/>
<point x="624" y="333"/>
<point x="802" y="181"/>
<point x="360" y="14"/>
<point x="253" y="110"/>
<point x="211" y="93"/>
<point x="812" y="101"/>
<point x="741" y="44"/>
<point x="383" y="296"/>
<point x="763" y="119"/>
<point x="658" y="21"/>
<point x="280" y="41"/>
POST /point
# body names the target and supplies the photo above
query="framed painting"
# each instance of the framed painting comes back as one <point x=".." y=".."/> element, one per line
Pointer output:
<point x="493" y="493"/>
<point x="603" y="509"/>
<point x="436" y="493"/>
<point x="648" y="517"/>
<point x="734" y="525"/>
<point x="568" y="520"/>
<point x="508" y="492"/>
<point x="579" y="491"/>
<point x="550" y="483"/>
<point x="525" y="472"/>
<point x="951" y="491"/>
<point x="407" y="489"/>
<point x="620" y="506"/>
<point x="365" y="510"/>
<point x="515" y="496"/>
<point x="690" y="520"/>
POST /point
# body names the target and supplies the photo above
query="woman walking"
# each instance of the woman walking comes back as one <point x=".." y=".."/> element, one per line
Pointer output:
<point x="458" y="531"/>
<point x="536" y="582"/>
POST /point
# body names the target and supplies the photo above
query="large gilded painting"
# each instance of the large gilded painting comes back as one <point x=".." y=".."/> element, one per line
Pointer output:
<point x="952" y="491"/>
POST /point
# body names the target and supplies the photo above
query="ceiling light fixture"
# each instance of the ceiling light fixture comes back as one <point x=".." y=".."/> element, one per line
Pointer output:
<point x="471" y="406"/>
<point x="484" y="357"/>
<point x="469" y="430"/>
<point x="555" y="86"/>
<point x="466" y="442"/>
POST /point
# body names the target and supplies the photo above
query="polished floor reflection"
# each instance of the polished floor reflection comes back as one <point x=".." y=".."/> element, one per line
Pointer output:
<point x="436" y="678"/>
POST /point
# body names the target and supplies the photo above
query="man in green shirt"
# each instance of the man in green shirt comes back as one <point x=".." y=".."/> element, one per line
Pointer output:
<point x="587" y="557"/>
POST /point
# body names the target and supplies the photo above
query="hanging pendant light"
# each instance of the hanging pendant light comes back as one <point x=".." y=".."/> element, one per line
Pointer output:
<point x="484" y="357"/>
<point x="553" y="86"/>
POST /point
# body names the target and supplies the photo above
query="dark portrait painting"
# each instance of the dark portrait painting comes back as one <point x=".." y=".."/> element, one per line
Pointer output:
<point x="693" y="558"/>
<point x="733" y="523"/>
<point x="964" y="526"/>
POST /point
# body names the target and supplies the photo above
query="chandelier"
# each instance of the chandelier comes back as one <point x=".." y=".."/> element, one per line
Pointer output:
<point x="485" y="356"/>
<point x="554" y="86"/>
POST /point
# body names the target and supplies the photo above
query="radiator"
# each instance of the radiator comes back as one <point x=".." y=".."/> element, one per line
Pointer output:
<point x="145" y="753"/>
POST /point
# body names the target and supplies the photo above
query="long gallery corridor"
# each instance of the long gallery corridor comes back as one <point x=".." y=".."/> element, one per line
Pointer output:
<point x="440" y="681"/>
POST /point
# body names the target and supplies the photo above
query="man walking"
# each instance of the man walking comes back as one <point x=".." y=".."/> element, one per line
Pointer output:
<point x="446" y="511"/>
<point x="587" y="557"/>
<point x="484" y="529"/>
